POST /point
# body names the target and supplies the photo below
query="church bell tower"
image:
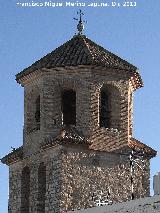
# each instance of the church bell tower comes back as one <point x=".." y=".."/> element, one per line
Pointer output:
<point x="78" y="103"/>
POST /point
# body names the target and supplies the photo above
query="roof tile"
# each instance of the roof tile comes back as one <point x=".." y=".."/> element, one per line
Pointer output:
<point x="78" y="51"/>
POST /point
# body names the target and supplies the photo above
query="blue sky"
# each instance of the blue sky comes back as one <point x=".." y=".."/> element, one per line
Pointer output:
<point x="28" y="33"/>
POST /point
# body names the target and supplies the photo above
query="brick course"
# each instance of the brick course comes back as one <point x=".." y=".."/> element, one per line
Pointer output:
<point x="84" y="160"/>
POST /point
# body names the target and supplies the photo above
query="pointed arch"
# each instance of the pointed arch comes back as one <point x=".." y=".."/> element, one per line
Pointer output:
<point x="41" y="188"/>
<point x="25" y="189"/>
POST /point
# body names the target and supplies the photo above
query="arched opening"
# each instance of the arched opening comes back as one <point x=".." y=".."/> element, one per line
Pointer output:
<point x="41" y="188"/>
<point x="109" y="107"/>
<point x="37" y="113"/>
<point x="25" y="190"/>
<point x="69" y="107"/>
<point x="105" y="109"/>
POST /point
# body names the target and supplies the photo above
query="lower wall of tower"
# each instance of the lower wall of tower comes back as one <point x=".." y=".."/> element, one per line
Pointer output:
<point x="14" y="205"/>
<point x="74" y="177"/>
<point x="53" y="181"/>
<point x="27" y="193"/>
<point x="86" y="174"/>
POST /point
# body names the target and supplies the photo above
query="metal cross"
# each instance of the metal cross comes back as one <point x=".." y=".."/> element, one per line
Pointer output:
<point x="80" y="14"/>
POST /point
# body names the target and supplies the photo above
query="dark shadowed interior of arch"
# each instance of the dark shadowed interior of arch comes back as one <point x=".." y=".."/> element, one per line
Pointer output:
<point x="41" y="188"/>
<point x="105" y="109"/>
<point x="37" y="113"/>
<point x="69" y="107"/>
<point x="25" y="190"/>
<point x="109" y="107"/>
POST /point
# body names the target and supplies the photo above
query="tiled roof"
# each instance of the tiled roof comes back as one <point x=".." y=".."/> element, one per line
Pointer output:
<point x="141" y="147"/>
<point x="73" y="136"/>
<point x="67" y="135"/>
<point x="15" y="155"/>
<point x="138" y="147"/>
<point x="78" y="51"/>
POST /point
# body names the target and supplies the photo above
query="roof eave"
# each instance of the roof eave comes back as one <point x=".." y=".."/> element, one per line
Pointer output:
<point x="14" y="156"/>
<point x="142" y="148"/>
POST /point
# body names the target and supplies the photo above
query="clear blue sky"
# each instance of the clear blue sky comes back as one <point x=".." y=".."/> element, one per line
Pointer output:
<point x="28" y="33"/>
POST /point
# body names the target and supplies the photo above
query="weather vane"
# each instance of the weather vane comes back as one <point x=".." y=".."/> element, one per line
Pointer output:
<point x="80" y="26"/>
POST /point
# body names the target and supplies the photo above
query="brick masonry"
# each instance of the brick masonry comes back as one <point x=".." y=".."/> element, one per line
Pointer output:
<point x="87" y="84"/>
<point x="74" y="172"/>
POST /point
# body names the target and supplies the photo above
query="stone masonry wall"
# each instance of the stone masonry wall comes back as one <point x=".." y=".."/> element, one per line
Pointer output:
<point x="73" y="174"/>
<point x="52" y="161"/>
<point x="84" y="172"/>
<point x="15" y="188"/>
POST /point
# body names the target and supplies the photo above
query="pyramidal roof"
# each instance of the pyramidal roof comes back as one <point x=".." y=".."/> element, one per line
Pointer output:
<point x="80" y="50"/>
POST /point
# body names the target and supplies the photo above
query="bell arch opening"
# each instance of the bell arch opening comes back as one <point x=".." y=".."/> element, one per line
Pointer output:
<point x="37" y="112"/>
<point x="109" y="107"/>
<point x="68" y="107"/>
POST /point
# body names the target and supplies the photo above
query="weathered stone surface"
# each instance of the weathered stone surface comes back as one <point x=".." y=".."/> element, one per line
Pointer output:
<point x="145" y="205"/>
<point x="80" y="159"/>
<point x="82" y="177"/>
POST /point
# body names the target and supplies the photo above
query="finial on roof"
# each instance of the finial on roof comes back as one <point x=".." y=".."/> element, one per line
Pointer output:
<point x="80" y="26"/>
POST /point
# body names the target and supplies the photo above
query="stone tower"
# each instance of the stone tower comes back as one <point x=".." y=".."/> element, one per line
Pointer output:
<point x="78" y="103"/>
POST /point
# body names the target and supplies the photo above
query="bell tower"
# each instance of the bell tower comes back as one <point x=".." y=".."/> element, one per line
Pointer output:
<point x="78" y="103"/>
